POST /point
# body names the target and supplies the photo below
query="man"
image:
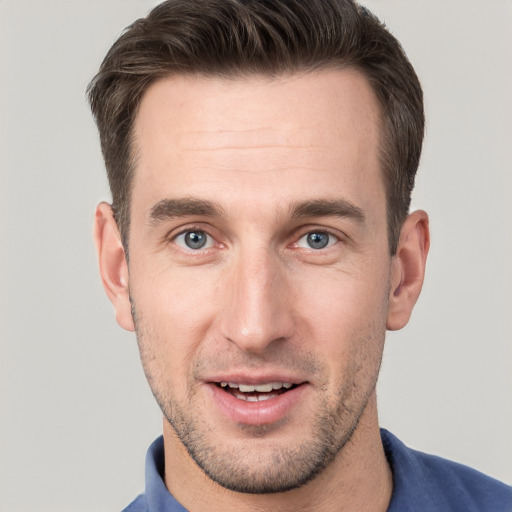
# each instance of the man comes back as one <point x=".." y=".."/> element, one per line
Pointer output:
<point x="261" y="157"/>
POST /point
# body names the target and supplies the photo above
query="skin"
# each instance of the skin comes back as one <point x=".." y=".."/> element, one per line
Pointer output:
<point x="243" y="161"/>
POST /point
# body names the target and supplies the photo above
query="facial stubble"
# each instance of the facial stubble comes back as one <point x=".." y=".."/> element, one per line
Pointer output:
<point x="244" y="468"/>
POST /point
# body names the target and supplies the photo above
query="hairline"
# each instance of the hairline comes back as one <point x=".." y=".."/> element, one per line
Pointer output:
<point x="239" y="75"/>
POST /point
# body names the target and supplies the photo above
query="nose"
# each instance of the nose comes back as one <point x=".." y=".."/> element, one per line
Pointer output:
<point x="257" y="307"/>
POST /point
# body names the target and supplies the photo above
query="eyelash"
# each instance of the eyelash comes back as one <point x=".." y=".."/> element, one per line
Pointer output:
<point x="193" y="229"/>
<point x="333" y="239"/>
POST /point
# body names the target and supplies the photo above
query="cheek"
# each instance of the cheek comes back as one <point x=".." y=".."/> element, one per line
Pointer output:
<point x="176" y="299"/>
<point x="173" y="314"/>
<point x="345" y="317"/>
<point x="342" y="301"/>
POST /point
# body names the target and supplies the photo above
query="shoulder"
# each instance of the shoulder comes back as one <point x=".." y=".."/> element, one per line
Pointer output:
<point x="139" y="504"/>
<point x="426" y="482"/>
<point x="456" y="484"/>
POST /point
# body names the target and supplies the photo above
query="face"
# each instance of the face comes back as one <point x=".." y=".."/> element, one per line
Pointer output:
<point x="259" y="269"/>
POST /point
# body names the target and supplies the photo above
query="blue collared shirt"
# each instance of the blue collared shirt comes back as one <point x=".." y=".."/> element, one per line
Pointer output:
<point x="421" y="482"/>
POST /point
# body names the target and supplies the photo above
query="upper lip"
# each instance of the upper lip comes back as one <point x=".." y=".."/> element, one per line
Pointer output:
<point x="252" y="379"/>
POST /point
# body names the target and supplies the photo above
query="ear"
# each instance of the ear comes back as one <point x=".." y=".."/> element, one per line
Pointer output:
<point x="113" y="264"/>
<point x="408" y="269"/>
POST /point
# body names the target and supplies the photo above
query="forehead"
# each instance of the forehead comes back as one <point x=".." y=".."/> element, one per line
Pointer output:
<point x="256" y="133"/>
<point x="308" y="100"/>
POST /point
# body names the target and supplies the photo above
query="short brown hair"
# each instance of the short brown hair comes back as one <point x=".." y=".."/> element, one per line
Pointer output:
<point x="239" y="37"/>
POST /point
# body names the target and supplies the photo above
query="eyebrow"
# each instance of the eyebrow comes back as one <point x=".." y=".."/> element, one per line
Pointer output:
<point x="175" y="208"/>
<point x="184" y="207"/>
<point x="328" y="208"/>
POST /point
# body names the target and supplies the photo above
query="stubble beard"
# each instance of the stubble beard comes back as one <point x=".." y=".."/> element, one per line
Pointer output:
<point x="244" y="469"/>
<point x="281" y="469"/>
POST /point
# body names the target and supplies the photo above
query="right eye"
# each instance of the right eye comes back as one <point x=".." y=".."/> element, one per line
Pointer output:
<point x="194" y="239"/>
<point x="317" y="240"/>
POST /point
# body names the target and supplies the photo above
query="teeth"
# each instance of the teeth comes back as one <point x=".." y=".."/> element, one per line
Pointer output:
<point x="254" y="398"/>
<point x="263" y="388"/>
<point x="262" y="398"/>
<point x="260" y="388"/>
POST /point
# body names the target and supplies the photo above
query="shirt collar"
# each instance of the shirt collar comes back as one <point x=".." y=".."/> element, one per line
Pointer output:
<point x="157" y="496"/>
<point x="406" y="469"/>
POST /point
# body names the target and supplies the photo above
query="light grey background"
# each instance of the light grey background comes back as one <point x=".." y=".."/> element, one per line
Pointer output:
<point x="76" y="412"/>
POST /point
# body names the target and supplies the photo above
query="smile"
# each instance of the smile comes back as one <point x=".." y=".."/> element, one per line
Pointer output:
<point x="257" y="400"/>
<point x="256" y="392"/>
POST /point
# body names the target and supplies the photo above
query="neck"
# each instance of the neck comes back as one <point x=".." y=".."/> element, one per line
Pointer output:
<point x="359" y="478"/>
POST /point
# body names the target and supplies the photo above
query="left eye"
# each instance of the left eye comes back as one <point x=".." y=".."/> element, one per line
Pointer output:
<point x="194" y="239"/>
<point x="317" y="240"/>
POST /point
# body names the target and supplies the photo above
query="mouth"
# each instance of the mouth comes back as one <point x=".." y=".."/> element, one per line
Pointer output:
<point x="255" y="401"/>
<point x="256" y="392"/>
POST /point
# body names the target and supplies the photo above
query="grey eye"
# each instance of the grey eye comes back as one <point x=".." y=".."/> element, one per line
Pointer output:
<point x="317" y="240"/>
<point x="194" y="240"/>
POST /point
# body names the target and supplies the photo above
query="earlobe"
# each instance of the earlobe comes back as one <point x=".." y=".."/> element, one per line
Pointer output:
<point x="113" y="265"/>
<point x="408" y="269"/>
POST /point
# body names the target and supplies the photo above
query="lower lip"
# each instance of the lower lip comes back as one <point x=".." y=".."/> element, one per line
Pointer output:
<point x="263" y="412"/>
